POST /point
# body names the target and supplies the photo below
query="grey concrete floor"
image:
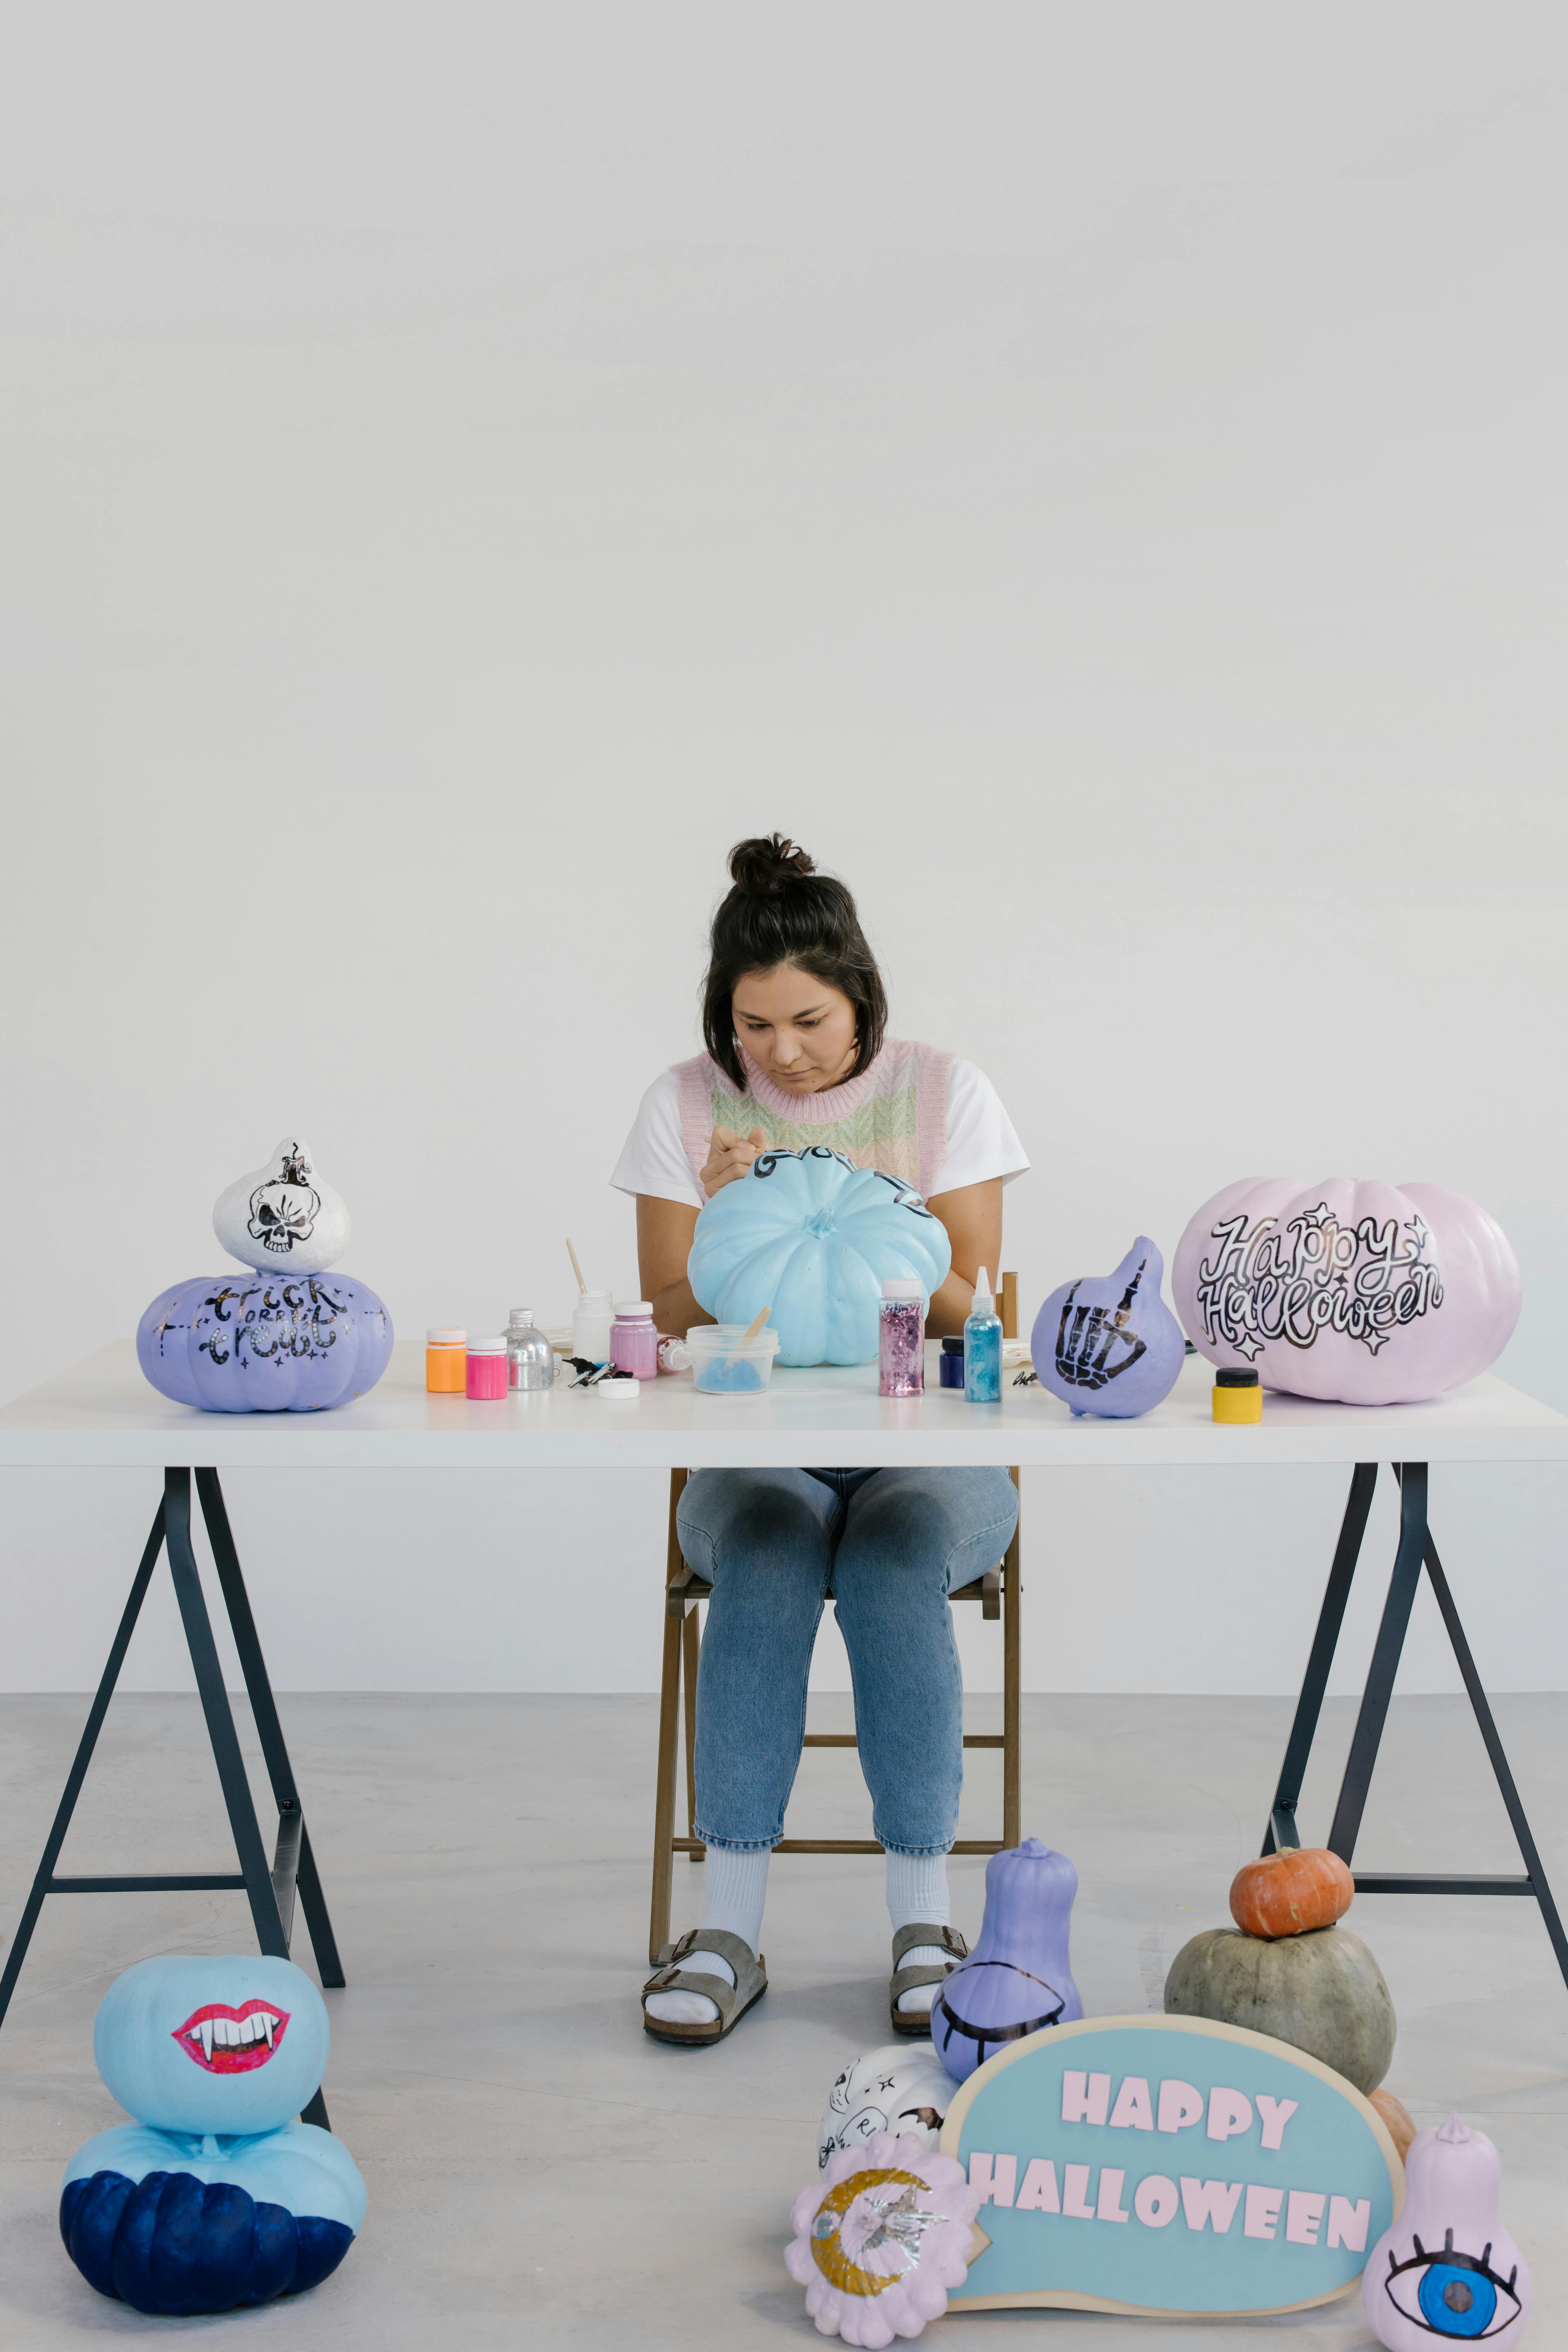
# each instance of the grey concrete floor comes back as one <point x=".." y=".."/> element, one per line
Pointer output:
<point x="540" y="2171"/>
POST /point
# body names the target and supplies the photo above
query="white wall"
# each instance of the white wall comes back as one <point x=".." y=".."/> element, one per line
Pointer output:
<point x="1094" y="475"/>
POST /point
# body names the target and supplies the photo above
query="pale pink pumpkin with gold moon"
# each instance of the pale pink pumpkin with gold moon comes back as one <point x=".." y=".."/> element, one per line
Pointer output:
<point x="1347" y="1289"/>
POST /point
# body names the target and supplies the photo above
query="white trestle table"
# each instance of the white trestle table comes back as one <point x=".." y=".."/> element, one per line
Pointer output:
<point x="101" y="1414"/>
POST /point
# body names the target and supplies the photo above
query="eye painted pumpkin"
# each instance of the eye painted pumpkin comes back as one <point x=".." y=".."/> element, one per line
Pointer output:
<point x="1321" y="1991"/>
<point x="265" y="1342"/>
<point x="812" y="1237"/>
<point x="880" y="2239"/>
<point x="1347" y="1289"/>
<point x="1286" y="1894"/>
<point x="283" y="1217"/>
<point x="1447" y="2271"/>
<point x="1108" y="1344"/>
<point x="215" y="2197"/>
<point x="1018" y="1978"/>
<point x="895" y="2089"/>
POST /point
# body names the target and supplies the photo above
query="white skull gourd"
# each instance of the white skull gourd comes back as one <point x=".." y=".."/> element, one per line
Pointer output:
<point x="282" y="1218"/>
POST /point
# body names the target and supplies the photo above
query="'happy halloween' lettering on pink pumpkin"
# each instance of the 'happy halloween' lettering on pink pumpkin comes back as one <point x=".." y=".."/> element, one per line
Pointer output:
<point x="1264" y="1281"/>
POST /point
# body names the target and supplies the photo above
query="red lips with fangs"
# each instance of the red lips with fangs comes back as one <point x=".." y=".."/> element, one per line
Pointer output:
<point x="224" y="2041"/>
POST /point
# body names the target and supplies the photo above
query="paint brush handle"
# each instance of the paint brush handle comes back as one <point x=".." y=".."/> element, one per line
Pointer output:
<point x="575" y="1267"/>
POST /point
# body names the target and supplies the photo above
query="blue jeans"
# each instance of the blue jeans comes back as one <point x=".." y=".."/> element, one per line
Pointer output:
<point x="889" y="1546"/>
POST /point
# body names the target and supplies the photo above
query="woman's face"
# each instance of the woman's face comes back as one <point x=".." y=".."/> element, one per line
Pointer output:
<point x="798" y="1030"/>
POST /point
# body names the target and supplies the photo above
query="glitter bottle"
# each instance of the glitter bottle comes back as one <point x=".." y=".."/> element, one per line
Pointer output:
<point x="901" y="1352"/>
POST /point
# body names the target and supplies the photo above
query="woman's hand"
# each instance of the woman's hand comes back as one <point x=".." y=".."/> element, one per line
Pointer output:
<point x="729" y="1156"/>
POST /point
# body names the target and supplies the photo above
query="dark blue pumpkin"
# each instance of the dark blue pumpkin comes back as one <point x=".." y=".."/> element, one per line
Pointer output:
<point x="176" y="2245"/>
<point x="1018" y="1978"/>
<point x="241" y="1342"/>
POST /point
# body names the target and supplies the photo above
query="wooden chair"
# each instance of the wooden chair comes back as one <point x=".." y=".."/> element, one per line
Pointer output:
<point x="997" y="1593"/>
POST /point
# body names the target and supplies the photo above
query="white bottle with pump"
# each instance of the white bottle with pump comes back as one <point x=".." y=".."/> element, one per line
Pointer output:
<point x="982" y="1347"/>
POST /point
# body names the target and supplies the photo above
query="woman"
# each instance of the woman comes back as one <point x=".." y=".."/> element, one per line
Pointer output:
<point x="794" y="1015"/>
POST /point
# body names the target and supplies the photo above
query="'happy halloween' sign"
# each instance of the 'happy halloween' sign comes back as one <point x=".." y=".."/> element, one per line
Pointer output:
<point x="1169" y="2165"/>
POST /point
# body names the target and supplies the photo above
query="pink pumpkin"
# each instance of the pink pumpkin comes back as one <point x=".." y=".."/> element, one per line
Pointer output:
<point x="1349" y="1290"/>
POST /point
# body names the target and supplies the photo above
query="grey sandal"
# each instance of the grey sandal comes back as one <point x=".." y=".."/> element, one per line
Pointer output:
<point x="946" y="1939"/>
<point x="732" y="2001"/>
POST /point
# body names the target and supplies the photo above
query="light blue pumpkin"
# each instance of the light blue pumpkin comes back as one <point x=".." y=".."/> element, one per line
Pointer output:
<point x="199" y="2043"/>
<point x="243" y="1342"/>
<point x="812" y="1238"/>
<point x="215" y="2197"/>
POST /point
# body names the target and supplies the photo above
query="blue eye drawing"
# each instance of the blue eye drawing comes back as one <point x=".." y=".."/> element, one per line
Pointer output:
<point x="1458" y="2296"/>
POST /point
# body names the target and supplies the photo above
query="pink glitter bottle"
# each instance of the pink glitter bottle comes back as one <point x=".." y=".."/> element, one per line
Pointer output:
<point x="903" y="1352"/>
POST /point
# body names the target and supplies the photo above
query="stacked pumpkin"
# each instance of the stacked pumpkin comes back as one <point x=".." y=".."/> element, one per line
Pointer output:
<point x="1288" y="1968"/>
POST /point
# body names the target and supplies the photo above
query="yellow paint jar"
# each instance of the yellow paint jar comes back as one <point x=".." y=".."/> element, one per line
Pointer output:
<point x="447" y="1362"/>
<point x="1237" y="1396"/>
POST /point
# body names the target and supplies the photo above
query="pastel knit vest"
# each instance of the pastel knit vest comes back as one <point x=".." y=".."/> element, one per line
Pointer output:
<point x="893" y="1116"/>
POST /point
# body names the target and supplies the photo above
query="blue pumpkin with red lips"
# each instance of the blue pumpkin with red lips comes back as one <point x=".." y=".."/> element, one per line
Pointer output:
<point x="216" y="2196"/>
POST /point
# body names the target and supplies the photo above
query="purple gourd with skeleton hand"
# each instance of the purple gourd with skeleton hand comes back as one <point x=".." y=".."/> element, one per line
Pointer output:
<point x="1108" y="1344"/>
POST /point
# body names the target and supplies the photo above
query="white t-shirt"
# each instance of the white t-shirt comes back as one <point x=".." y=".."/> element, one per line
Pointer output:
<point x="981" y="1141"/>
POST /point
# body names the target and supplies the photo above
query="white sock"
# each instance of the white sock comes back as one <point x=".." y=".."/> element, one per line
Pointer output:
<point x="732" y="1898"/>
<point x="917" y="1890"/>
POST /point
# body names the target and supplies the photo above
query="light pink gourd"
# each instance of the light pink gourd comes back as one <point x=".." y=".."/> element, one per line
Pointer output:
<point x="1447" y="2271"/>
<point x="1349" y="1288"/>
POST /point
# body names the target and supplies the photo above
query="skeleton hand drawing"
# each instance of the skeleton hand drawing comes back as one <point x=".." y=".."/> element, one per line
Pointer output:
<point x="1094" y="1345"/>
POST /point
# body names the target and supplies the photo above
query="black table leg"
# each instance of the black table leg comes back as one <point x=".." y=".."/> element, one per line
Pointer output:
<point x="271" y="1891"/>
<point x="1281" y="1828"/>
<point x="1416" y="1551"/>
<point x="294" y="1865"/>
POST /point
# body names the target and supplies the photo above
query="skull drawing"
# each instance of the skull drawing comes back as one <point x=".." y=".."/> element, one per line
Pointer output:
<point x="282" y="1213"/>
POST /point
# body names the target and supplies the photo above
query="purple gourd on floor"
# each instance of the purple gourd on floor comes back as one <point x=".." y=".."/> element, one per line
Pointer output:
<point x="1019" y="1977"/>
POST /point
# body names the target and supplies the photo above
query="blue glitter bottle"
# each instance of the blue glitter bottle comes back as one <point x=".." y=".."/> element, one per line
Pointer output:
<point x="982" y="1347"/>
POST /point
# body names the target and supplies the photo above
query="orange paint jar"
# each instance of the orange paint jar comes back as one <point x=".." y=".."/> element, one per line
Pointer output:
<point x="447" y="1362"/>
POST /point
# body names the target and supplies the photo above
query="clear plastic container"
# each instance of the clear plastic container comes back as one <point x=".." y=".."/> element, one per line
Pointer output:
<point x="529" y="1358"/>
<point x="595" y="1311"/>
<point x="725" y="1363"/>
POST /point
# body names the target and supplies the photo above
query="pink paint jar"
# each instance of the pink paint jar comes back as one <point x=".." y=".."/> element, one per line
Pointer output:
<point x="487" y="1368"/>
<point x="633" y="1343"/>
<point x="902" y="1354"/>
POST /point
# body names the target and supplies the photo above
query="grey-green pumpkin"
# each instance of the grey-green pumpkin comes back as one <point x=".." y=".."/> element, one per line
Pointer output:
<point x="1322" y="1992"/>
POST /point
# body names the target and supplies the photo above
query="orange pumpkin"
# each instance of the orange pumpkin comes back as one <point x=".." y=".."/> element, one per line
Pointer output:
<point x="1397" y="2117"/>
<point x="1287" y="1894"/>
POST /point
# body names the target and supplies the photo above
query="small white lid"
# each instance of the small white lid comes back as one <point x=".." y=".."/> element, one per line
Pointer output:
<point x="982" y="1302"/>
<point x="595" y="1298"/>
<point x="902" y="1290"/>
<point x="443" y="1336"/>
<point x="492" y="1343"/>
<point x="634" y="1306"/>
<point x="523" y="1314"/>
<point x="618" y="1392"/>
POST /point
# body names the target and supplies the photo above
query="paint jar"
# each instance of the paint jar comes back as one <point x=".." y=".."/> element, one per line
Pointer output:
<point x="902" y="1351"/>
<point x="1238" y="1395"/>
<point x="633" y="1343"/>
<point x="617" y="1388"/>
<point x="591" y="1320"/>
<point x="445" y="1352"/>
<point x="487" y="1368"/>
<point x="529" y="1358"/>
<point x="950" y="1368"/>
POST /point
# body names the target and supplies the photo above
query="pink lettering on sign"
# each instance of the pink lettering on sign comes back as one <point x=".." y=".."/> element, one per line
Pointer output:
<point x="1108" y="2207"/>
<point x="1038" y="2193"/>
<point x="1075" y="2177"/>
<point x="1273" y="2114"/>
<point x="1302" y="2216"/>
<point x="1155" y="2200"/>
<point x="1134" y="2110"/>
<point x="1348" y="2222"/>
<point x="1262" y="2212"/>
<point x="1230" y="2112"/>
<point x="1181" y="2106"/>
<point x="994" y="2176"/>
<point x="1085" y="2097"/>
<point x="1211" y="2201"/>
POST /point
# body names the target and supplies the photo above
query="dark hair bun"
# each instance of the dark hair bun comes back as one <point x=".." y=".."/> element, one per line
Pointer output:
<point x="768" y="863"/>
